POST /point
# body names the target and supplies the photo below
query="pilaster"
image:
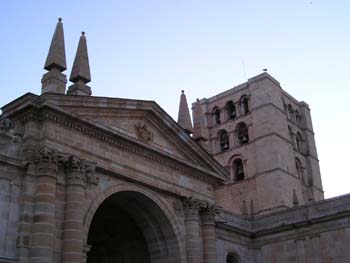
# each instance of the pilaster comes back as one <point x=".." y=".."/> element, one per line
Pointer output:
<point x="78" y="173"/>
<point x="209" y="233"/>
<point x="193" y="231"/>
<point x="43" y="228"/>
<point x="27" y="199"/>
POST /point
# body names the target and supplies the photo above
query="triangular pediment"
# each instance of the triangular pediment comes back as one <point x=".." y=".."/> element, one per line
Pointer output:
<point x="140" y="125"/>
<point x="142" y="122"/>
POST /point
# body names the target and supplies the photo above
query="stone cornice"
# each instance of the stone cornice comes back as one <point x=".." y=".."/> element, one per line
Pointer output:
<point x="44" y="111"/>
<point x="194" y="149"/>
<point x="291" y="219"/>
<point x="11" y="161"/>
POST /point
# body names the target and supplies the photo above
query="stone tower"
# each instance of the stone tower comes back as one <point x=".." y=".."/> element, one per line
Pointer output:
<point x="264" y="137"/>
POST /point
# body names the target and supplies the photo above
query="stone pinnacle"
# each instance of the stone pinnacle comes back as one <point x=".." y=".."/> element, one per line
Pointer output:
<point x="81" y="67"/>
<point x="56" y="57"/>
<point x="184" y="119"/>
<point x="54" y="81"/>
<point x="80" y="74"/>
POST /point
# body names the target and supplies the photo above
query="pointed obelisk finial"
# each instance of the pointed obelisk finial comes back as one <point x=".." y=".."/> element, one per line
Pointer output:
<point x="80" y="74"/>
<point x="184" y="119"/>
<point x="54" y="81"/>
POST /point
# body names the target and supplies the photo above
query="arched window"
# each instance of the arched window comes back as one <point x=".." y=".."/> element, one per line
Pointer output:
<point x="232" y="258"/>
<point x="299" y="142"/>
<point x="231" y="110"/>
<point x="242" y="133"/>
<point x="291" y="135"/>
<point x="284" y="105"/>
<point x="216" y="114"/>
<point x="244" y="104"/>
<point x="290" y="112"/>
<point x="297" y="117"/>
<point x="223" y="140"/>
<point x="299" y="169"/>
<point x="238" y="170"/>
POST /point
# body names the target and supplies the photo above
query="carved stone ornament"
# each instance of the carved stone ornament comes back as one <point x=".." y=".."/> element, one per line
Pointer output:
<point x="47" y="160"/>
<point x="9" y="129"/>
<point x="47" y="155"/>
<point x="211" y="209"/>
<point x="191" y="203"/>
<point x="143" y="132"/>
<point x="202" y="207"/>
<point x="91" y="177"/>
<point x="82" y="170"/>
<point x="75" y="168"/>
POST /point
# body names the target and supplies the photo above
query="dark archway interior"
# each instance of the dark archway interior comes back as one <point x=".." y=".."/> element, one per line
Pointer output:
<point x="115" y="237"/>
<point x="232" y="258"/>
<point x="128" y="227"/>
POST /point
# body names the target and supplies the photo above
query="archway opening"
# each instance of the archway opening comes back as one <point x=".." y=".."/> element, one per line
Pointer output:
<point x="130" y="227"/>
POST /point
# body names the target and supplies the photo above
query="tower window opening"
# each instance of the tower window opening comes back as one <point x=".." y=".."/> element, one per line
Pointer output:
<point x="245" y="105"/>
<point x="290" y="113"/>
<point x="299" y="169"/>
<point x="298" y="118"/>
<point x="299" y="142"/>
<point x="238" y="170"/>
<point x="242" y="133"/>
<point x="224" y="140"/>
<point x="291" y="135"/>
<point x="216" y="113"/>
<point x="231" y="110"/>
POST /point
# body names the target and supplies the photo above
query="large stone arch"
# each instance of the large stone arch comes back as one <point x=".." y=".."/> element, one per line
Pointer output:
<point x="171" y="225"/>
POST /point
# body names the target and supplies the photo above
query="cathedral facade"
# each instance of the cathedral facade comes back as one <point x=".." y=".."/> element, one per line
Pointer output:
<point x="97" y="179"/>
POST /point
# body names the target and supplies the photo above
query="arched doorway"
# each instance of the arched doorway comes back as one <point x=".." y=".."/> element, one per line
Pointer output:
<point x="130" y="227"/>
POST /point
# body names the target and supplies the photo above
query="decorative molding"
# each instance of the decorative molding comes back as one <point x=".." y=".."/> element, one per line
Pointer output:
<point x="121" y="143"/>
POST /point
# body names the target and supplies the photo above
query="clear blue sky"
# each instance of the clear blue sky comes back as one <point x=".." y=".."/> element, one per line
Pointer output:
<point x="153" y="49"/>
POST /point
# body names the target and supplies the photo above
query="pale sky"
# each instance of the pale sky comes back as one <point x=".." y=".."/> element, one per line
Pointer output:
<point x="152" y="49"/>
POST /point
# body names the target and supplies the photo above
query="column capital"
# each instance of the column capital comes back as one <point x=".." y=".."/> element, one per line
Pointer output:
<point x="191" y="208"/>
<point x="191" y="203"/>
<point x="209" y="212"/>
<point x="80" y="171"/>
<point x="47" y="161"/>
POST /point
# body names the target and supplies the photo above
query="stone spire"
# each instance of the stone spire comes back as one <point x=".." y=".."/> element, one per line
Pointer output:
<point x="54" y="81"/>
<point x="184" y="119"/>
<point x="80" y="74"/>
<point x="199" y="127"/>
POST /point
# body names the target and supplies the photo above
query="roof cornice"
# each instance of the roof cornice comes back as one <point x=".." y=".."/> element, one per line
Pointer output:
<point x="44" y="108"/>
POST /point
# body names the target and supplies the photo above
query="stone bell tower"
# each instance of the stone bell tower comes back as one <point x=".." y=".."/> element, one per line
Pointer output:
<point x="264" y="137"/>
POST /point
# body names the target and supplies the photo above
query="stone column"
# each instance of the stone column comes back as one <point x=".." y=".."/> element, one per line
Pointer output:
<point x="193" y="231"/>
<point x="26" y="202"/>
<point x="209" y="234"/>
<point x="300" y="250"/>
<point x="72" y="250"/>
<point x="43" y="228"/>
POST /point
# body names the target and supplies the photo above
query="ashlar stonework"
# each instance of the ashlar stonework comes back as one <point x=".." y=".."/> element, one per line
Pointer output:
<point x="96" y="179"/>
